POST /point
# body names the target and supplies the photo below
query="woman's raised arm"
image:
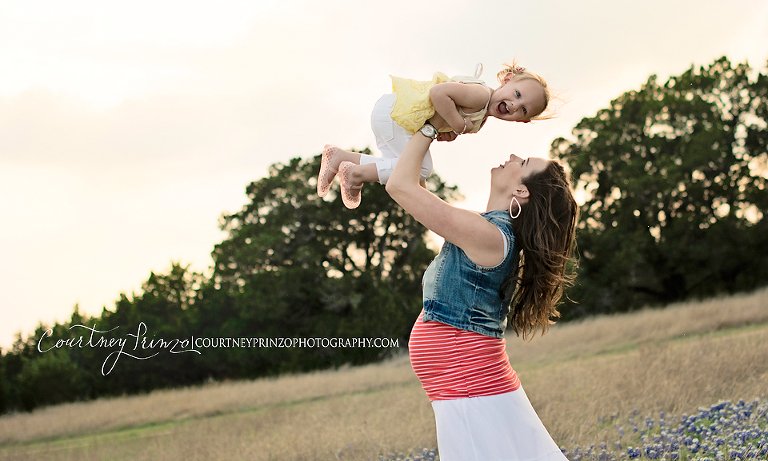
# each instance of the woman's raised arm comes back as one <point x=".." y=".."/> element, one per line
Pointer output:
<point x="480" y="240"/>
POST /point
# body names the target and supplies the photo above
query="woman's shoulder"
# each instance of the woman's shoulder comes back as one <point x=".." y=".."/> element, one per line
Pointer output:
<point x="502" y="220"/>
<point x="498" y="217"/>
<point x="484" y="252"/>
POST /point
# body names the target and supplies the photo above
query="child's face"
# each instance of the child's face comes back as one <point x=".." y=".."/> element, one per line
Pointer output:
<point x="517" y="100"/>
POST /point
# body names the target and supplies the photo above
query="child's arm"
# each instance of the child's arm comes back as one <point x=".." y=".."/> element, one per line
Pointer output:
<point x="448" y="96"/>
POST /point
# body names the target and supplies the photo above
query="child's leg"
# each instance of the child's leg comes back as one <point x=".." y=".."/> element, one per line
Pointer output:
<point x="340" y="155"/>
<point x="331" y="158"/>
<point x="386" y="166"/>
<point x="360" y="174"/>
<point x="365" y="169"/>
<point x="352" y="178"/>
<point x="391" y="139"/>
<point x="383" y="166"/>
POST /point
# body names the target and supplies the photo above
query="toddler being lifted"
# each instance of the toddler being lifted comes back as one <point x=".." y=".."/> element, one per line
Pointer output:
<point x="442" y="108"/>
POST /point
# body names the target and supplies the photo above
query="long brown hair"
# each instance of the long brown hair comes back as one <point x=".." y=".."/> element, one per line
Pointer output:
<point x="544" y="236"/>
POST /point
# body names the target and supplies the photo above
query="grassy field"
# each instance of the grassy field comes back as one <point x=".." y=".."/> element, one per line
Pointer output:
<point x="671" y="360"/>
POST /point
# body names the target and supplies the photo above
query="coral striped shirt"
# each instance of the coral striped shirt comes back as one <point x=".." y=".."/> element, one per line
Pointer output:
<point x="454" y="364"/>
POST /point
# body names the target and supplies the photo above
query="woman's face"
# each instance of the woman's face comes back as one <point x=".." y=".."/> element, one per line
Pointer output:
<point x="515" y="169"/>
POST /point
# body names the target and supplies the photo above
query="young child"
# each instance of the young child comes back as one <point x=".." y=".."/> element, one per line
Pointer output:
<point x="452" y="106"/>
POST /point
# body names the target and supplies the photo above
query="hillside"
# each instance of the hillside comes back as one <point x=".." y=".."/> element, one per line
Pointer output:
<point x="578" y="375"/>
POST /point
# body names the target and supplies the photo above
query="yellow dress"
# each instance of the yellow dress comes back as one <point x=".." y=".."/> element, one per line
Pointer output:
<point x="414" y="107"/>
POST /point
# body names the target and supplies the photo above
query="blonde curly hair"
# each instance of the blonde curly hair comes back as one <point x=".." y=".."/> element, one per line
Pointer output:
<point x="520" y="73"/>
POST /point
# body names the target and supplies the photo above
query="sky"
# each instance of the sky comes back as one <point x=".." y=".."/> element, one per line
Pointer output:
<point x="128" y="128"/>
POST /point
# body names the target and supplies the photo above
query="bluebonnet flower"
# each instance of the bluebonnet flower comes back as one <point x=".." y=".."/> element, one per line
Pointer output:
<point x="725" y="431"/>
<point x="421" y="454"/>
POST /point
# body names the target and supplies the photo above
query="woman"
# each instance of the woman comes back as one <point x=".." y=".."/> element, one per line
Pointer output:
<point x="507" y="264"/>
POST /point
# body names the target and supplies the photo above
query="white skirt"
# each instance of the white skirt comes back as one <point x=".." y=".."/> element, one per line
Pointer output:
<point x="502" y="427"/>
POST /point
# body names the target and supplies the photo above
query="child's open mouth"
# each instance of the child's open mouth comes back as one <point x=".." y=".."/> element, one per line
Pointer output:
<point x="502" y="108"/>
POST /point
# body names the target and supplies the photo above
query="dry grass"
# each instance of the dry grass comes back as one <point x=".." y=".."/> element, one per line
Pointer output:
<point x="674" y="377"/>
<point x="350" y="427"/>
<point x="616" y="332"/>
<point x="653" y="360"/>
<point x="194" y="402"/>
<point x="349" y="413"/>
<point x="671" y="360"/>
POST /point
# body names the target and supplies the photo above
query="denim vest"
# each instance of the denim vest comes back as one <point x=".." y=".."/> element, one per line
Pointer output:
<point x="465" y="295"/>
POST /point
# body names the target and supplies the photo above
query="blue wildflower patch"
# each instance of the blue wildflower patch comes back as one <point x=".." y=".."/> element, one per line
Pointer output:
<point x="726" y="431"/>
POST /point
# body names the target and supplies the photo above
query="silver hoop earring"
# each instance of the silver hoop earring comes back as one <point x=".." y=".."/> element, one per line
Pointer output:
<point x="519" y="208"/>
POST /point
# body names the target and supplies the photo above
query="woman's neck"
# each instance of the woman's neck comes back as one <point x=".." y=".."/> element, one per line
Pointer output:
<point x="496" y="203"/>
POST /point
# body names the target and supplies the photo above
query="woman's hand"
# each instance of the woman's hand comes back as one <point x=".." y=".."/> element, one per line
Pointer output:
<point x="447" y="136"/>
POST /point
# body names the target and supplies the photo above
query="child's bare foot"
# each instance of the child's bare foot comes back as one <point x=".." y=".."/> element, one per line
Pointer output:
<point x="327" y="170"/>
<point x="350" y="189"/>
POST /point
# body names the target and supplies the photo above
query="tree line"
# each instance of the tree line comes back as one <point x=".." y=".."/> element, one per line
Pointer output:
<point x="671" y="176"/>
<point x="293" y="266"/>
